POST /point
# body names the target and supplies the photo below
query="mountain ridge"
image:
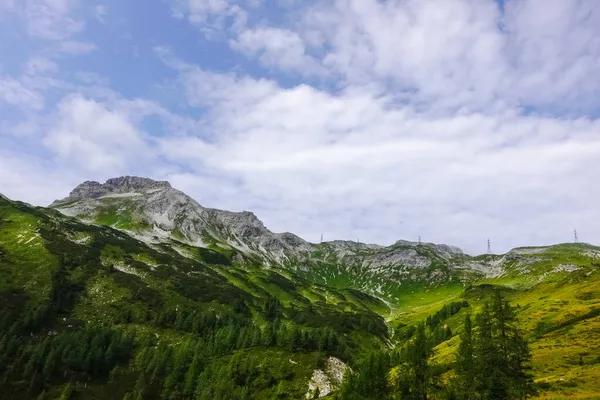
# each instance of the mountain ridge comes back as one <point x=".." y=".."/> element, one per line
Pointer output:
<point x="129" y="185"/>
<point x="125" y="258"/>
<point x="156" y="212"/>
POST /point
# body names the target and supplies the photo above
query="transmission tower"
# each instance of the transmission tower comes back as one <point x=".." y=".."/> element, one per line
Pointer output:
<point x="575" y="235"/>
<point x="321" y="238"/>
<point x="489" y="246"/>
<point x="419" y="240"/>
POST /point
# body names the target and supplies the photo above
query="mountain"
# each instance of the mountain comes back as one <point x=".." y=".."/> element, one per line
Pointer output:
<point x="94" y="305"/>
<point x="132" y="288"/>
<point x="155" y="212"/>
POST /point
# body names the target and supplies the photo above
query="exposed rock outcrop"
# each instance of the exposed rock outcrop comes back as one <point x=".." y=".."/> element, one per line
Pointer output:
<point x="327" y="379"/>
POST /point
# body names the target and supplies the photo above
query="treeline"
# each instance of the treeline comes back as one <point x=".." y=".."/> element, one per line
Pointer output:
<point x="191" y="371"/>
<point x="87" y="353"/>
<point x="439" y="333"/>
<point x="32" y="360"/>
<point x="491" y="364"/>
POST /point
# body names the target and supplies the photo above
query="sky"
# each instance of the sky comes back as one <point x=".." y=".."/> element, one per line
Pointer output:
<point x="370" y="120"/>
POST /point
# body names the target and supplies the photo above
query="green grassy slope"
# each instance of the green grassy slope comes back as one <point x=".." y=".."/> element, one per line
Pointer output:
<point x="60" y="277"/>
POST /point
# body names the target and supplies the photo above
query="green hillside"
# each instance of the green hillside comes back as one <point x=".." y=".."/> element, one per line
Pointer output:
<point x="89" y="308"/>
<point x="90" y="312"/>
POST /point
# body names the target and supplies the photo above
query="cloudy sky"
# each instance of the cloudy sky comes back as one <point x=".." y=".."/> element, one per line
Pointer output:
<point x="453" y="120"/>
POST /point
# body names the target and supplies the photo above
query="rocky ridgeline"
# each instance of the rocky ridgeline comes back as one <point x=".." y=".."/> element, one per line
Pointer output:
<point x="173" y="214"/>
<point x="124" y="184"/>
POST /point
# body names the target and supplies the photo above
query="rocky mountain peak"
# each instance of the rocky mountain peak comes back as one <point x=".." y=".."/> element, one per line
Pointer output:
<point x="123" y="184"/>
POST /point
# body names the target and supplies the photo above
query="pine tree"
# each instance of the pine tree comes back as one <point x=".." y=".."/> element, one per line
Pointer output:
<point x="500" y="356"/>
<point x="465" y="362"/>
<point x="418" y="361"/>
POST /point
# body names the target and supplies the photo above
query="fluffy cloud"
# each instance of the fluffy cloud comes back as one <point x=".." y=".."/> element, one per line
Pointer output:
<point x="16" y="93"/>
<point x="94" y="137"/>
<point x="51" y="19"/>
<point x="454" y="121"/>
<point x="363" y="164"/>
<point x="34" y="180"/>
<point x="211" y="16"/>
<point x="279" y="48"/>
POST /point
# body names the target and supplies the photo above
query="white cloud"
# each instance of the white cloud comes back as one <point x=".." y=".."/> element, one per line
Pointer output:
<point x="15" y="93"/>
<point x="212" y="17"/>
<point x="31" y="179"/>
<point x="94" y="137"/>
<point x="455" y="121"/>
<point x="279" y="48"/>
<point x="360" y="164"/>
<point x="463" y="54"/>
<point x="100" y="12"/>
<point x="40" y="65"/>
<point x="51" y="19"/>
<point x="554" y="47"/>
<point x="75" y="47"/>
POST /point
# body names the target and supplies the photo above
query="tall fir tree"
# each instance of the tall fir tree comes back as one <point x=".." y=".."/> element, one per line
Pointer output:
<point x="493" y="362"/>
<point x="466" y="368"/>
<point x="418" y="356"/>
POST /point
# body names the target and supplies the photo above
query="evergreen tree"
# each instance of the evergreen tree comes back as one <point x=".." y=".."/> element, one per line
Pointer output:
<point x="369" y="380"/>
<point x="466" y="368"/>
<point x="418" y="355"/>
<point x="494" y="361"/>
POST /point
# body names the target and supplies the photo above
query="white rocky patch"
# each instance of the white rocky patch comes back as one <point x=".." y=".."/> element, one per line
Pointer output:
<point x="128" y="270"/>
<point x="566" y="267"/>
<point x="328" y="379"/>
<point x="592" y="253"/>
<point x="117" y="195"/>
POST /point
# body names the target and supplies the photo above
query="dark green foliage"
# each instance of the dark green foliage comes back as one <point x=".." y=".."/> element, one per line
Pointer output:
<point x="212" y="257"/>
<point x="466" y="368"/>
<point x="433" y="322"/>
<point x="415" y="377"/>
<point x="368" y="380"/>
<point x="446" y="312"/>
<point x="179" y="328"/>
<point x="492" y="359"/>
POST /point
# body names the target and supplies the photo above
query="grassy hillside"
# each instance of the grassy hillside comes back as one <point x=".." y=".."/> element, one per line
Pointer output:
<point x="90" y="309"/>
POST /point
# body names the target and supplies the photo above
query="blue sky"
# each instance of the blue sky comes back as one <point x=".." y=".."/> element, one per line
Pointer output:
<point x="454" y="121"/>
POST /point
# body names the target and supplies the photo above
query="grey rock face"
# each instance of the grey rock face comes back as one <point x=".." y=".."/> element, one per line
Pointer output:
<point x="169" y="213"/>
<point x="124" y="184"/>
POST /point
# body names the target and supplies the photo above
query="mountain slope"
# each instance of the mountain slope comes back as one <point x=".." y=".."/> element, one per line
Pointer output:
<point x="64" y="281"/>
<point x="154" y="211"/>
<point x="144" y="267"/>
